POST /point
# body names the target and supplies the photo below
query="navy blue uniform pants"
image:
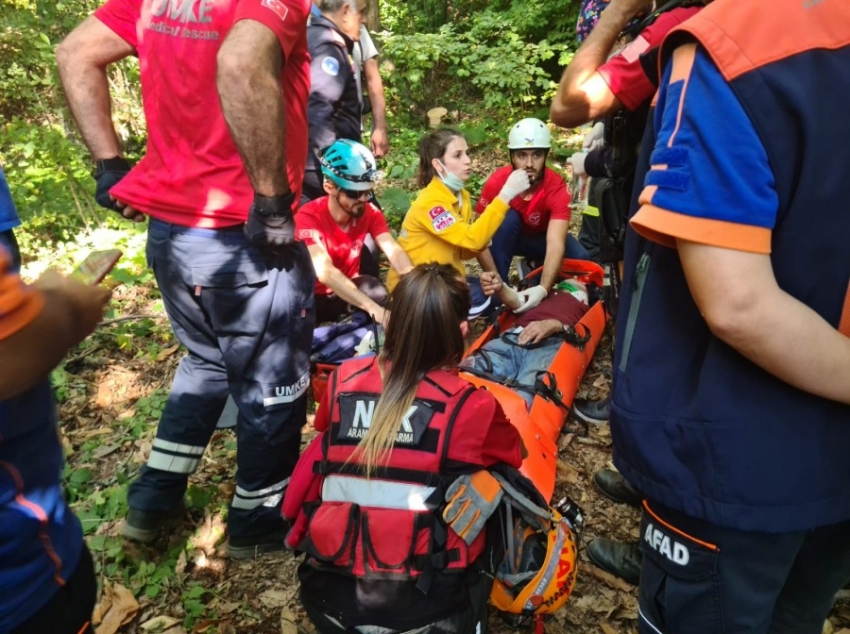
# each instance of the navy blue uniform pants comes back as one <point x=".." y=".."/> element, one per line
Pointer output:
<point x="246" y="320"/>
<point x="700" y="578"/>
<point x="509" y="241"/>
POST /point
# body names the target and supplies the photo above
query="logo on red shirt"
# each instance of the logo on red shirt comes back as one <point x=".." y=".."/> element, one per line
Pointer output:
<point x="278" y="7"/>
<point x="534" y="218"/>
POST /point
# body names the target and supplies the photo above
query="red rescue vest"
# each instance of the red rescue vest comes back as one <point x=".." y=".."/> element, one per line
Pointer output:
<point x="388" y="526"/>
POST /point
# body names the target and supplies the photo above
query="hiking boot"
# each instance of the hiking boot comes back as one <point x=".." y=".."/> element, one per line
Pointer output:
<point x="143" y="526"/>
<point x="614" y="486"/>
<point x="596" y="412"/>
<point x="619" y="559"/>
<point x="251" y="546"/>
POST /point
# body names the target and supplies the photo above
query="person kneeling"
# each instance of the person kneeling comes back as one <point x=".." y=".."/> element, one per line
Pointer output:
<point x="335" y="228"/>
<point x="395" y="431"/>
<point x="523" y="351"/>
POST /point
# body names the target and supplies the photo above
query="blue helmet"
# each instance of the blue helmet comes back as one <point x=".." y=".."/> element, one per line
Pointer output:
<point x="350" y="165"/>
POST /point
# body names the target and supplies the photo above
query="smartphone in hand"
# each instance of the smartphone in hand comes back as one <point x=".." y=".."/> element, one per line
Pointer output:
<point x="97" y="264"/>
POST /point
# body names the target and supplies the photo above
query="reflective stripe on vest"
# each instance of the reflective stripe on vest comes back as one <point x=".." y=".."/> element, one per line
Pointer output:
<point x="376" y="493"/>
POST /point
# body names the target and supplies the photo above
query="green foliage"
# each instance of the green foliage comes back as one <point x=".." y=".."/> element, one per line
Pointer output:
<point x="48" y="169"/>
<point x="502" y="58"/>
<point x="395" y="202"/>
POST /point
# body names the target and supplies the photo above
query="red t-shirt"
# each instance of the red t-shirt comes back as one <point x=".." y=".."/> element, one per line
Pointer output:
<point x="624" y="74"/>
<point x="314" y="225"/>
<point x="548" y="200"/>
<point x="191" y="173"/>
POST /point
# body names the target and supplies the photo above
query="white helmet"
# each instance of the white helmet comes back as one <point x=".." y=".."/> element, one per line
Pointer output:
<point x="529" y="133"/>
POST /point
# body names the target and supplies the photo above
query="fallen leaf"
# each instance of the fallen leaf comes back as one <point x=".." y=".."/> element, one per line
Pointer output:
<point x="606" y="627"/>
<point x="100" y="431"/>
<point x="159" y="623"/>
<point x="276" y="598"/>
<point x="566" y="472"/>
<point x="103" y="605"/>
<point x="226" y="607"/>
<point x="124" y="608"/>
<point x="565" y="441"/>
<point x="180" y="566"/>
<point x="105" y="450"/>
<point x="287" y="622"/>
<point x="605" y="577"/>
<point x="167" y="352"/>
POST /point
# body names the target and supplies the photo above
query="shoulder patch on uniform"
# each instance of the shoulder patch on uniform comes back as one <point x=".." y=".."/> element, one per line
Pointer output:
<point x="277" y="6"/>
<point x="441" y="218"/>
<point x="331" y="66"/>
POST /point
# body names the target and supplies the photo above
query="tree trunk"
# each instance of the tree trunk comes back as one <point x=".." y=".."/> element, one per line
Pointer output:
<point x="373" y="16"/>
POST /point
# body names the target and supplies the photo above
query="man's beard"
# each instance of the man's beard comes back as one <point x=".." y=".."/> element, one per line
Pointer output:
<point x="534" y="175"/>
<point x="357" y="210"/>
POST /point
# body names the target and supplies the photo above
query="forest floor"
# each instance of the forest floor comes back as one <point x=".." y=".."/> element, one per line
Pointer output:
<point x="183" y="582"/>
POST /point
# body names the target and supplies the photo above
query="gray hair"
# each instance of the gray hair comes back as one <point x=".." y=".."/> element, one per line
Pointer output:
<point x="335" y="6"/>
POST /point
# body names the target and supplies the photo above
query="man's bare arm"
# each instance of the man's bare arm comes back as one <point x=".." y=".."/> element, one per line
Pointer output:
<point x="341" y="285"/>
<point x="582" y="93"/>
<point x="556" y="239"/>
<point x="248" y="79"/>
<point x="740" y="300"/>
<point x="397" y="256"/>
<point x="71" y="311"/>
<point x="82" y="58"/>
<point x="375" y="88"/>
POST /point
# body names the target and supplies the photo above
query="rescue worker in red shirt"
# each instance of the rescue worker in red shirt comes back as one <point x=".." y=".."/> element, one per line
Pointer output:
<point x="397" y="430"/>
<point x="537" y="224"/>
<point x="335" y="228"/>
<point x="218" y="180"/>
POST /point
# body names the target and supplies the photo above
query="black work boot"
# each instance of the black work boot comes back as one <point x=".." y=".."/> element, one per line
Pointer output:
<point x="143" y="526"/>
<point x="619" y="559"/>
<point x="251" y="546"/>
<point x="614" y="486"/>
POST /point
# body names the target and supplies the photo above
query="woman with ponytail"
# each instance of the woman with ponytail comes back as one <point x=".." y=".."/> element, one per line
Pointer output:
<point x="397" y="430"/>
<point x="440" y="225"/>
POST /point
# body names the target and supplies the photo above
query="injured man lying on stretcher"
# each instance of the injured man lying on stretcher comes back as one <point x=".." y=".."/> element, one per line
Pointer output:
<point x="522" y="352"/>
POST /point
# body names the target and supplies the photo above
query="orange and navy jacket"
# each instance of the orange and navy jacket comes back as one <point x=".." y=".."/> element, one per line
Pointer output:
<point x="745" y="152"/>
<point x="40" y="538"/>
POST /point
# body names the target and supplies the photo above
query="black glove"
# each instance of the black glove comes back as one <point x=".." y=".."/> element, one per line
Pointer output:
<point x="107" y="174"/>
<point x="270" y="225"/>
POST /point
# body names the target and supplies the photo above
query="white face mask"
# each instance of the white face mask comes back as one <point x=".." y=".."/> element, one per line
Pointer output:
<point x="450" y="180"/>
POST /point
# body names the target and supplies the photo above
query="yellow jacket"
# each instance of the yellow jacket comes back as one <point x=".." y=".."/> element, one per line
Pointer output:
<point x="437" y="228"/>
